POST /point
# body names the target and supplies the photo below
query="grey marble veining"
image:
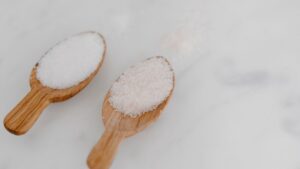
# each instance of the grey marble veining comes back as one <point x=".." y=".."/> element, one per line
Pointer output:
<point x="236" y="104"/>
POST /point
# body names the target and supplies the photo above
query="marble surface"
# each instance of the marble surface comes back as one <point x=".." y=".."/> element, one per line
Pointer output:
<point x="237" y="99"/>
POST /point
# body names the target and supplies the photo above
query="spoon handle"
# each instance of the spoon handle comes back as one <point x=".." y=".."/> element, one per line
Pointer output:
<point x="104" y="151"/>
<point x="24" y="115"/>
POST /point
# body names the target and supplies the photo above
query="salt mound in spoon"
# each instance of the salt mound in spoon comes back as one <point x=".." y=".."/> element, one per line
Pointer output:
<point x="142" y="87"/>
<point x="71" y="61"/>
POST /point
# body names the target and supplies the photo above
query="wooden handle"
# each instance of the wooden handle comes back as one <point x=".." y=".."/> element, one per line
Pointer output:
<point x="104" y="151"/>
<point x="23" y="116"/>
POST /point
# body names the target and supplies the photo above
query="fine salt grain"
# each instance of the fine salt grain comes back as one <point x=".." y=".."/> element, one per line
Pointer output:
<point x="71" y="61"/>
<point x="142" y="87"/>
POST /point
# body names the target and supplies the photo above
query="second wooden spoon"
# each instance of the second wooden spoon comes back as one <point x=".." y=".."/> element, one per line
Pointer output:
<point x="117" y="127"/>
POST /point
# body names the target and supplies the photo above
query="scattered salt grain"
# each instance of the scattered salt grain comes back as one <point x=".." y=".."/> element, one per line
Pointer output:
<point x="71" y="61"/>
<point x="142" y="87"/>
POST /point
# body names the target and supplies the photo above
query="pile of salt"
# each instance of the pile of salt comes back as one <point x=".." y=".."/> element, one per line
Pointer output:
<point x="142" y="87"/>
<point x="71" y="61"/>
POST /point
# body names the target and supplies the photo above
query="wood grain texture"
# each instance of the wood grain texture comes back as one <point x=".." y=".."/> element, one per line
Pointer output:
<point x="104" y="151"/>
<point x="25" y="114"/>
<point x="117" y="127"/>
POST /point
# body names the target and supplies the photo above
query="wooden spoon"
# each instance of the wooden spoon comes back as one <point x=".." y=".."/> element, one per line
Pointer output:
<point x="25" y="114"/>
<point x="117" y="127"/>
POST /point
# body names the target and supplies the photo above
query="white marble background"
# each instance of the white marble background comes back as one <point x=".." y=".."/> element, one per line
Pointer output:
<point x="237" y="99"/>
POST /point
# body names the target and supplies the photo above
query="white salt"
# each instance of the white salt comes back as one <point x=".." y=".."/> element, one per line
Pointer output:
<point x="71" y="61"/>
<point x="142" y="87"/>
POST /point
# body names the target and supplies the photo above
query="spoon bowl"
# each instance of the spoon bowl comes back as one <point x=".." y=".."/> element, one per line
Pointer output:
<point x="27" y="111"/>
<point x="114" y="120"/>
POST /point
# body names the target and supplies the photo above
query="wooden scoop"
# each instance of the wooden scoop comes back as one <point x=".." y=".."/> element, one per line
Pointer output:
<point x="25" y="114"/>
<point x="117" y="127"/>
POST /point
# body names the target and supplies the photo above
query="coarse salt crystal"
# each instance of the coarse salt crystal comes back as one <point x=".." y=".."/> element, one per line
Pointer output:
<point x="142" y="87"/>
<point x="71" y="61"/>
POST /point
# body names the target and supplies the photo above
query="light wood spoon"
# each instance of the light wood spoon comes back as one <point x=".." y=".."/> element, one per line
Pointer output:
<point x="117" y="127"/>
<point x="25" y="114"/>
